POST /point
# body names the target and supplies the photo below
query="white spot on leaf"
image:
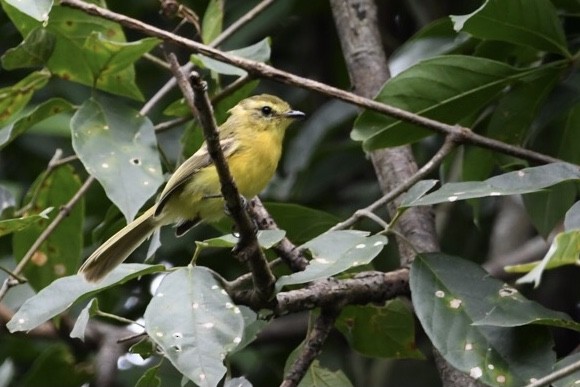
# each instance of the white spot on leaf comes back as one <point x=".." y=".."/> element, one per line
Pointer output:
<point x="495" y="194"/>
<point x="521" y="173"/>
<point x="195" y="305"/>
<point x="360" y="246"/>
<point x="475" y="372"/>
<point x="455" y="303"/>
<point x="208" y="325"/>
<point x="506" y="292"/>
<point x="105" y="165"/>
<point x="500" y="379"/>
<point x="490" y="366"/>
<point x="439" y="294"/>
<point x="378" y="243"/>
<point x="452" y="198"/>
<point x="237" y="340"/>
<point x="322" y="260"/>
<point x="468" y="346"/>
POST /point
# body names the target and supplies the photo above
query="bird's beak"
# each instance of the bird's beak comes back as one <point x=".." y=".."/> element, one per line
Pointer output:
<point x="295" y="115"/>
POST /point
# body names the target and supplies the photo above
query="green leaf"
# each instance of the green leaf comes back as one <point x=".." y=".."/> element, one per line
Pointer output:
<point x="7" y="372"/>
<point x="192" y="317"/>
<point x="385" y="332"/>
<point x="111" y="63"/>
<point x="34" y="51"/>
<point x="80" y="55"/>
<point x="572" y="218"/>
<point x="7" y="201"/>
<point x="59" y="255"/>
<point x="14" y="98"/>
<point x="213" y="20"/>
<point x="150" y="378"/>
<point x="416" y="192"/>
<point x="547" y="208"/>
<point x="62" y="293"/>
<point x="238" y="382"/>
<point x="78" y="331"/>
<point x="118" y="146"/>
<point x="40" y="113"/>
<point x="564" y="250"/>
<point x="318" y="376"/>
<point x="144" y="348"/>
<point x="10" y="226"/>
<point x="532" y="23"/>
<point x="448" y="88"/>
<point x="450" y="294"/>
<point x="301" y="223"/>
<point x="266" y="238"/>
<point x="572" y="379"/>
<point x="334" y="252"/>
<point x="518" y="182"/>
<point x="259" y="52"/>
<point x="38" y="9"/>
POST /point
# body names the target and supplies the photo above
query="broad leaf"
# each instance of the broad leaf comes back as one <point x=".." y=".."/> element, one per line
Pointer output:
<point x="547" y="208"/>
<point x="448" y="88"/>
<point x="59" y="255"/>
<point x="150" y="378"/>
<point x="14" y="98"/>
<point x="34" y="51"/>
<point x="118" y="146"/>
<point x="62" y="293"/>
<point x="386" y="331"/>
<point x="192" y="317"/>
<point x="416" y="192"/>
<point x="213" y="20"/>
<point x="40" y="113"/>
<point x="518" y="182"/>
<point x="334" y="252"/>
<point x="572" y="218"/>
<point x="57" y="361"/>
<point x="259" y="52"/>
<point x="532" y="23"/>
<point x="451" y="294"/>
<point x="318" y="376"/>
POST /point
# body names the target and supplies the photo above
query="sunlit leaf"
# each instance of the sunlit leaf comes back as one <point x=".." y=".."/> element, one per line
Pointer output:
<point x="37" y="9"/>
<point x="117" y="145"/>
<point x="192" y="317"/>
<point x="334" y="252"/>
<point x="62" y="293"/>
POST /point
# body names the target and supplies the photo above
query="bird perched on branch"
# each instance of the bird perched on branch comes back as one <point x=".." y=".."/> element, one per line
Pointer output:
<point x="251" y="141"/>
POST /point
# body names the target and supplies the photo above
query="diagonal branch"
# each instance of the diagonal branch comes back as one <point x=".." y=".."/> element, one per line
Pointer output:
<point x="248" y="249"/>
<point x="263" y="70"/>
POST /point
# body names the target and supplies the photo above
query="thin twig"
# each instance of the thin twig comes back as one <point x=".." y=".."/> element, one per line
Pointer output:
<point x="312" y="347"/>
<point x="556" y="375"/>
<point x="247" y="249"/>
<point x="155" y="60"/>
<point x="425" y="170"/>
<point x="62" y="214"/>
<point x="262" y="70"/>
<point x="250" y="15"/>
<point x="166" y="125"/>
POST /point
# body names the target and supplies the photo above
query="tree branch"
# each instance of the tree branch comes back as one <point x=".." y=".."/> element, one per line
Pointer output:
<point x="312" y="347"/>
<point x="263" y="70"/>
<point x="247" y="250"/>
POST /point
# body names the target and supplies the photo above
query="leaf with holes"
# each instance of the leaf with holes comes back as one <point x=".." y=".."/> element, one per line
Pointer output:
<point x="448" y="89"/>
<point x="533" y="23"/>
<point x="192" y="317"/>
<point x="118" y="146"/>
<point x="334" y="252"/>
<point x="62" y="293"/>
<point x="512" y="183"/>
<point x="451" y="294"/>
<point x="41" y="112"/>
<point x="380" y="331"/>
<point x="59" y="255"/>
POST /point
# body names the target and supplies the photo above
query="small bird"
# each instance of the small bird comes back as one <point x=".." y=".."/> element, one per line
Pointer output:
<point x="251" y="140"/>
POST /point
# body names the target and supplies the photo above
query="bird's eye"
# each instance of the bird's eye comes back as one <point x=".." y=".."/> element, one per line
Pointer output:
<point x="266" y="110"/>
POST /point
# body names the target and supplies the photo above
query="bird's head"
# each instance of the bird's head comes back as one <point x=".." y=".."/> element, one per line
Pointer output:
<point x="265" y="112"/>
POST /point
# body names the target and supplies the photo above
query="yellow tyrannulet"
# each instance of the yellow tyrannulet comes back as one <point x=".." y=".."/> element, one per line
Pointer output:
<point x="251" y="140"/>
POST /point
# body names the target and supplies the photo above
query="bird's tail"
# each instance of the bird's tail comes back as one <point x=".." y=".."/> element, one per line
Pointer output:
<point x="117" y="248"/>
